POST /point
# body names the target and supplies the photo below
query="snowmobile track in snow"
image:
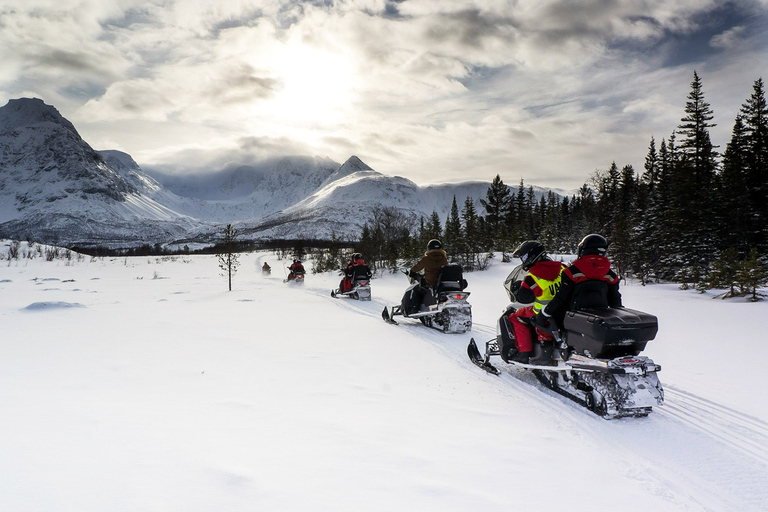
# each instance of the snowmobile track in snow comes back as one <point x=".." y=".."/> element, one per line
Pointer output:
<point x="740" y="431"/>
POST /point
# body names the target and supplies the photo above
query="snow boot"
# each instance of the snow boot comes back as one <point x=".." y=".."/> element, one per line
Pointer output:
<point x="521" y="357"/>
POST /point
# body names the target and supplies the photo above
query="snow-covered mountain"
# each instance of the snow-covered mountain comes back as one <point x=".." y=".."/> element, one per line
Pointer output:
<point x="55" y="188"/>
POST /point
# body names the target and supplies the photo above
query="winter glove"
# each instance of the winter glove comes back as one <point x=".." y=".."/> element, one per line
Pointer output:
<point x="540" y="319"/>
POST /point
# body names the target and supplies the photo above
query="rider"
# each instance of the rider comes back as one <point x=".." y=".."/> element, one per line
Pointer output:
<point x="265" y="267"/>
<point x="295" y="268"/>
<point x="356" y="267"/>
<point x="433" y="259"/>
<point x="588" y="283"/>
<point x="536" y="290"/>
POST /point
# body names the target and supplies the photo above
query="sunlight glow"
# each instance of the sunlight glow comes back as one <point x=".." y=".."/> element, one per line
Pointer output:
<point x="316" y="85"/>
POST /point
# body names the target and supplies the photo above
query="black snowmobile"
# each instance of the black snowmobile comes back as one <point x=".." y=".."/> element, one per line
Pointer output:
<point x="361" y="285"/>
<point x="443" y="307"/>
<point x="593" y="360"/>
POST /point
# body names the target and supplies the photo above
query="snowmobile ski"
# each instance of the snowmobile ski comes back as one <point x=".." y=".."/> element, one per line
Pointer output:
<point x="477" y="359"/>
<point x="386" y="316"/>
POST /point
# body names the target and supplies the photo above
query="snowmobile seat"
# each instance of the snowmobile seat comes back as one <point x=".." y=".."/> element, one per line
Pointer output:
<point x="450" y="278"/>
<point x="361" y="272"/>
<point x="610" y="332"/>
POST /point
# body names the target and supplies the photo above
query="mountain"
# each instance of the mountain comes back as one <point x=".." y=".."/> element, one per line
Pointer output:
<point x="246" y="192"/>
<point x="55" y="188"/>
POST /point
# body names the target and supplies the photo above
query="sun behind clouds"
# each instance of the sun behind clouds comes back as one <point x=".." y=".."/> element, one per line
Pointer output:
<point x="316" y="85"/>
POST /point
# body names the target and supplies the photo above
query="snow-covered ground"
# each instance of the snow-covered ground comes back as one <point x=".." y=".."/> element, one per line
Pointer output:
<point x="141" y="384"/>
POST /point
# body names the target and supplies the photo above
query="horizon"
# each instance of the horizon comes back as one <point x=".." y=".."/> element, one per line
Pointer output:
<point x="435" y="92"/>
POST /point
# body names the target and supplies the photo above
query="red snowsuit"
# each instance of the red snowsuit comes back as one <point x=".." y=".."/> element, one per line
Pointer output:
<point x="295" y="268"/>
<point x="538" y="287"/>
<point x="588" y="283"/>
<point x="346" y="283"/>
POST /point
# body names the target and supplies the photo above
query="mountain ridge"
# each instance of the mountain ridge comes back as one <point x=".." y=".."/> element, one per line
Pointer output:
<point x="55" y="188"/>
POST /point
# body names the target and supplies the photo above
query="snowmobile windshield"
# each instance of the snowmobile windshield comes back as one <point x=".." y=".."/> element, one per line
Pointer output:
<point x="513" y="281"/>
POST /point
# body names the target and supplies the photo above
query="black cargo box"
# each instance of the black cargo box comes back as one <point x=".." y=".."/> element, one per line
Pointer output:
<point x="609" y="333"/>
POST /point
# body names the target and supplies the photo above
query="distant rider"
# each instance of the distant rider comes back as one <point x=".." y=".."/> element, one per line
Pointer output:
<point x="295" y="268"/>
<point x="266" y="268"/>
<point x="588" y="283"/>
<point x="356" y="267"/>
<point x="536" y="290"/>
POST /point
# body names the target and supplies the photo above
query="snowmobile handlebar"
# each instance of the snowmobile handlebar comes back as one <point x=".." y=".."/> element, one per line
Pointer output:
<point x="414" y="276"/>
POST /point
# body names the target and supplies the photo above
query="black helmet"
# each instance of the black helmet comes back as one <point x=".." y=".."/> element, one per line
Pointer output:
<point x="529" y="253"/>
<point x="434" y="244"/>
<point x="357" y="256"/>
<point x="593" y="244"/>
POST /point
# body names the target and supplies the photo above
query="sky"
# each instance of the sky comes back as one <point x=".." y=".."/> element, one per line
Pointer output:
<point x="433" y="90"/>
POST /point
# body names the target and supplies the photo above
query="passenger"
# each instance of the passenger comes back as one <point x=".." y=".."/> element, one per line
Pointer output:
<point x="588" y="283"/>
<point x="356" y="267"/>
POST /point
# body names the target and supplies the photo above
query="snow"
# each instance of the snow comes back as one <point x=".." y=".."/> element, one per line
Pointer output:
<point x="160" y="390"/>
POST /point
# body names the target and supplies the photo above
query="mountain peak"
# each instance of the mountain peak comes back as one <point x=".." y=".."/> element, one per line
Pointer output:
<point x="25" y="112"/>
<point x="353" y="164"/>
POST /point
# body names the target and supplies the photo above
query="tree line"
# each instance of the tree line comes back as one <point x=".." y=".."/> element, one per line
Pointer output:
<point x="692" y="215"/>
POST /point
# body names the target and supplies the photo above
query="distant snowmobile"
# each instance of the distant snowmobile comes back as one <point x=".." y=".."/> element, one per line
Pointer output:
<point x="443" y="307"/>
<point x="296" y="274"/>
<point x="295" y="277"/>
<point x="266" y="270"/>
<point x="361" y="289"/>
<point x="593" y="360"/>
<point x="357" y="280"/>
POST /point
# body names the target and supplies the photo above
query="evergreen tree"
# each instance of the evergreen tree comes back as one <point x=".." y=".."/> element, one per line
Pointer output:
<point x="753" y="275"/>
<point x="471" y="234"/>
<point x="497" y="205"/>
<point x="696" y="178"/>
<point x="434" y="228"/>
<point x="736" y="208"/>
<point x="522" y="213"/>
<point x="452" y="240"/>
<point x="755" y="116"/>
<point x="648" y="218"/>
<point x="724" y="273"/>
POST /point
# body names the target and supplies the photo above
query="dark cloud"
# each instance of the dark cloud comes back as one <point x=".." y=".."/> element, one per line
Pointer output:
<point x="241" y="84"/>
<point x="68" y="61"/>
<point x="471" y="28"/>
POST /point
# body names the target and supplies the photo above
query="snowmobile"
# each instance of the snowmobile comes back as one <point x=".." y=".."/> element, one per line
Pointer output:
<point x="593" y="358"/>
<point x="266" y="270"/>
<point x="361" y="289"/>
<point x="298" y="278"/>
<point x="443" y="307"/>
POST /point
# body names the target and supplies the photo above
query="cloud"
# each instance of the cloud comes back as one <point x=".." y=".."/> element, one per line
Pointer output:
<point x="728" y="39"/>
<point x="434" y="89"/>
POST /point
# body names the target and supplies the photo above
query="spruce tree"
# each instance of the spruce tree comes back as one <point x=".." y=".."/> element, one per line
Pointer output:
<point x="736" y="207"/>
<point x="755" y="115"/>
<point x="697" y="173"/>
<point x="452" y="240"/>
<point x="496" y="203"/>
<point x="471" y="233"/>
